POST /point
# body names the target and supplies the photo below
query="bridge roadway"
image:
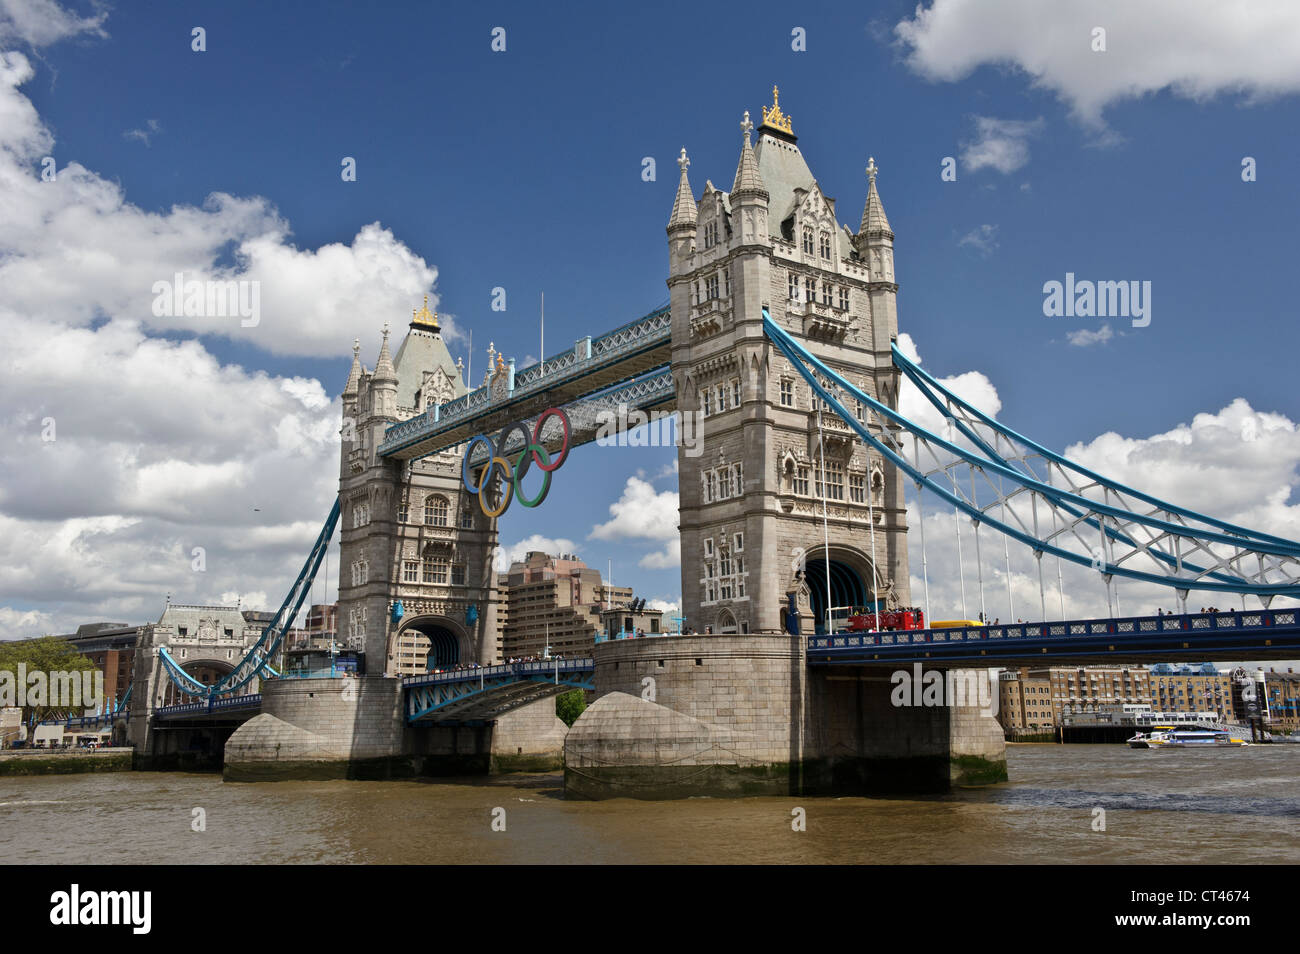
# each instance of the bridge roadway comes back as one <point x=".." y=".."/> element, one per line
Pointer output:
<point x="1224" y="636"/>
<point x="462" y="696"/>
<point x="604" y="370"/>
<point x="470" y="696"/>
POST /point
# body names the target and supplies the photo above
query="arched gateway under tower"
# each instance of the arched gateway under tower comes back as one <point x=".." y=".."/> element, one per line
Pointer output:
<point x="427" y="643"/>
<point x="845" y="579"/>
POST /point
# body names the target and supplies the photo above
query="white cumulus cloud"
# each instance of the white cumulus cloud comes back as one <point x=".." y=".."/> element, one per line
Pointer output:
<point x="983" y="239"/>
<point x="1001" y="144"/>
<point x="76" y="250"/>
<point x="1193" y="48"/>
<point x="137" y="464"/>
<point x="1086" y="336"/>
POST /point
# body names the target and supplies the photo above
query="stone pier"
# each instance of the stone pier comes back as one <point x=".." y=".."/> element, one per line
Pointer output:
<point x="679" y="716"/>
<point x="354" y="728"/>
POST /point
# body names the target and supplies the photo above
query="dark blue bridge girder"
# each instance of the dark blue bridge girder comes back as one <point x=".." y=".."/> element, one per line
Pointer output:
<point x="214" y="705"/>
<point x="477" y="695"/>
<point x="1230" y="635"/>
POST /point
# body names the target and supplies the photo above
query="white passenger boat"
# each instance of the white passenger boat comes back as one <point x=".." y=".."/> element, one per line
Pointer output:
<point x="1170" y="738"/>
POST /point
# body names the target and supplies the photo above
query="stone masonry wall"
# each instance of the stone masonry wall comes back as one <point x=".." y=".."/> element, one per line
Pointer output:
<point x="322" y="720"/>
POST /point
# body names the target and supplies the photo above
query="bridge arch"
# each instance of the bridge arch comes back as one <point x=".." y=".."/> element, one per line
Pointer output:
<point x="429" y="641"/>
<point x="206" y="670"/>
<point x="850" y="571"/>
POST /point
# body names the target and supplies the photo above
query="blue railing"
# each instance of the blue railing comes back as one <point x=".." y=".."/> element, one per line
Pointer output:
<point x="252" y="700"/>
<point x="648" y="331"/>
<point x="335" y="673"/>
<point x="524" y="670"/>
<point x="602" y="638"/>
<point x="1131" y="627"/>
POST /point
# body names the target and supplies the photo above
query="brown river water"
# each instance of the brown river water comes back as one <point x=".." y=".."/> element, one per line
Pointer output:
<point x="1196" y="807"/>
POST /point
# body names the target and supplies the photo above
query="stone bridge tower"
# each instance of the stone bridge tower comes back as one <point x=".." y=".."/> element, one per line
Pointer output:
<point x="416" y="577"/>
<point x="751" y="503"/>
<point x="206" y="641"/>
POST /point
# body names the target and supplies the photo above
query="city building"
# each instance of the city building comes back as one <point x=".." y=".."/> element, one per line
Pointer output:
<point x="318" y="630"/>
<point x="1282" y="693"/>
<point x="1081" y="688"/>
<point x="554" y="606"/>
<point x="1024" y="701"/>
<point x="11" y="726"/>
<point x="111" y="647"/>
<point x="1202" y="688"/>
<point x="631" y="620"/>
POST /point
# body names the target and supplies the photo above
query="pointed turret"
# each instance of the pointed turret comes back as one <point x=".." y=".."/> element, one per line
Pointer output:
<point x="681" y="224"/>
<point x="383" y="383"/>
<point x="747" y="181"/>
<point x="873" y="213"/>
<point x="685" y="212"/>
<point x="749" y="197"/>
<point x="384" y="370"/>
<point x="354" y="375"/>
<point x="875" y="242"/>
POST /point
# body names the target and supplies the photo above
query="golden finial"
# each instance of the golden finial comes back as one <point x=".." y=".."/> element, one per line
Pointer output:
<point x="501" y="363"/>
<point x="425" y="318"/>
<point x="773" y="118"/>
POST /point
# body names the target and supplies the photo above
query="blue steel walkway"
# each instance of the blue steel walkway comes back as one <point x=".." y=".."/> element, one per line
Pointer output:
<point x="1227" y="635"/>
<point x="477" y="695"/>
<point x="592" y="365"/>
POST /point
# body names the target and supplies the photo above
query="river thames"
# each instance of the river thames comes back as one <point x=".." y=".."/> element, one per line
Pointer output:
<point x="1209" y="807"/>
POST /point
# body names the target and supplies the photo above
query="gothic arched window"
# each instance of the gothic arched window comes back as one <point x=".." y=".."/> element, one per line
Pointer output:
<point x="435" y="510"/>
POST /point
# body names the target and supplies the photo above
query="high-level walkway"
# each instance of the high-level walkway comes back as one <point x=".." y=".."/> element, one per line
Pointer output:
<point x="626" y="366"/>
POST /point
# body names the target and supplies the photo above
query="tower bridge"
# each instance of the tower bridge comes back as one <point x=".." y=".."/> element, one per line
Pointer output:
<point x="778" y="350"/>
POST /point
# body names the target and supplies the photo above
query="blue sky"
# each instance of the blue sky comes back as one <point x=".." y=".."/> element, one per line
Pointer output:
<point x="522" y="169"/>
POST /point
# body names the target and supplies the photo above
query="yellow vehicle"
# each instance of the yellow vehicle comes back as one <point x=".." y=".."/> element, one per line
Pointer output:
<point x="955" y="623"/>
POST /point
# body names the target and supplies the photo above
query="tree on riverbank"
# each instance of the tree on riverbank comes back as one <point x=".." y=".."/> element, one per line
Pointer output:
<point x="46" y="655"/>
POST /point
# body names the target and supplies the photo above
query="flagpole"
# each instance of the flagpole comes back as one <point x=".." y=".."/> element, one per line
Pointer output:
<point x="826" y="533"/>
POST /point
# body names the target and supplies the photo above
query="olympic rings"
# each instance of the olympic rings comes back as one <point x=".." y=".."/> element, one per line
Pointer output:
<point x="514" y="471"/>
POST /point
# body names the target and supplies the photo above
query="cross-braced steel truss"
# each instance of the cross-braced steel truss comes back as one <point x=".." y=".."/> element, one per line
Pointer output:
<point x="1051" y="504"/>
